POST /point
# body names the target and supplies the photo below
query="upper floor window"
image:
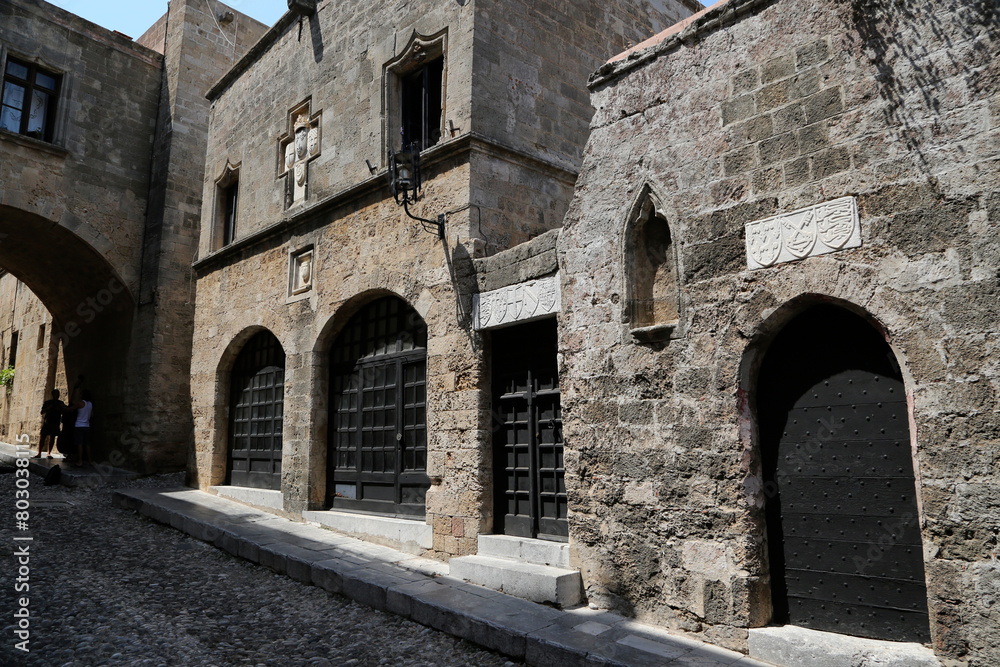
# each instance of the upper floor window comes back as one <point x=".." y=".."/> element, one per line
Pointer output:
<point x="420" y="105"/>
<point x="227" y="199"/>
<point x="28" y="104"/>
<point x="415" y="93"/>
<point x="230" y="195"/>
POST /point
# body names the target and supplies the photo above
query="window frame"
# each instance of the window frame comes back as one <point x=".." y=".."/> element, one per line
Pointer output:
<point x="226" y="189"/>
<point x="415" y="59"/>
<point x="30" y="85"/>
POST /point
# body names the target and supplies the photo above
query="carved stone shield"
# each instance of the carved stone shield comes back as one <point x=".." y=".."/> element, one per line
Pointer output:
<point x="799" y="232"/>
<point x="301" y="143"/>
<point x="300" y="173"/>
<point x="835" y="222"/>
<point x="547" y="294"/>
<point x="515" y="301"/>
<point x="289" y="156"/>
<point x="313" y="140"/>
<point x="764" y="241"/>
<point x="485" y="309"/>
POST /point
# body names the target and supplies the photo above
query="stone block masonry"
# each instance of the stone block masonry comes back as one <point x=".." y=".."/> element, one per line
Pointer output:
<point x="759" y="109"/>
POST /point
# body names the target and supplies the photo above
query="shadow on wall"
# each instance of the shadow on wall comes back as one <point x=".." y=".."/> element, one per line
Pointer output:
<point x="889" y="31"/>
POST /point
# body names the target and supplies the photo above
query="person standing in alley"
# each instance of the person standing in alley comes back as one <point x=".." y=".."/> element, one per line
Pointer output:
<point x="81" y="429"/>
<point x="52" y="410"/>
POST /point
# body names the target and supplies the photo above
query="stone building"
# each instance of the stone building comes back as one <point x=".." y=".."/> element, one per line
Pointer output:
<point x="721" y="355"/>
<point x="102" y="142"/>
<point x="337" y="364"/>
<point x="779" y="327"/>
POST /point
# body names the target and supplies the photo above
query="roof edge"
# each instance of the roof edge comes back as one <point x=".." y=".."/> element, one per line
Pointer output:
<point x="725" y="13"/>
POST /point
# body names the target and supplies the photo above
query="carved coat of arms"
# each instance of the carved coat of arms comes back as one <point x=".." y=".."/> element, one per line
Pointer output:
<point x="835" y="222"/>
<point x="764" y="241"/>
<point x="799" y="231"/>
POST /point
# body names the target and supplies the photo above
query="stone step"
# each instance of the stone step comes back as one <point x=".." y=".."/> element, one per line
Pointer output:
<point x="530" y="581"/>
<point x="539" y="552"/>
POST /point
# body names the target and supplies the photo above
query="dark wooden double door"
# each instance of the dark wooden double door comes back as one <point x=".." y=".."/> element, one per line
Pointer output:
<point x="256" y="411"/>
<point x="843" y="526"/>
<point x="377" y="449"/>
<point x="529" y="481"/>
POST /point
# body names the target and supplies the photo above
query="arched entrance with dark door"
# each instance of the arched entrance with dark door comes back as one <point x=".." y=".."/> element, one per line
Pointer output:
<point x="377" y="441"/>
<point x="842" y="518"/>
<point x="256" y="412"/>
<point x="529" y="477"/>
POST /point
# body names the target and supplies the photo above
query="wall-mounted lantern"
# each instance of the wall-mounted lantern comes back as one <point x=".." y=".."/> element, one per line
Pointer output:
<point x="404" y="184"/>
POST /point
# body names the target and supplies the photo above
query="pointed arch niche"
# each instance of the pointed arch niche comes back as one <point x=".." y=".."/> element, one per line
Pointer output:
<point x="652" y="284"/>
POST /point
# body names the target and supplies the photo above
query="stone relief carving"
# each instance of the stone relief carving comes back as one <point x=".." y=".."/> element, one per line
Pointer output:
<point x="516" y="303"/>
<point x="302" y="271"/>
<point x="807" y="232"/>
<point x="300" y="145"/>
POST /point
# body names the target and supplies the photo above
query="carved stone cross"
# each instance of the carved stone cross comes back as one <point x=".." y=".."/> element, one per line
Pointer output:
<point x="296" y="148"/>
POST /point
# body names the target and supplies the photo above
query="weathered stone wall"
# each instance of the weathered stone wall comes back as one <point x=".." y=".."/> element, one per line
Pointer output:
<point x="36" y="371"/>
<point x="337" y="62"/>
<point x="530" y="65"/>
<point x="533" y="259"/>
<point x="198" y="50"/>
<point x="786" y="105"/>
<point x="82" y="227"/>
<point x="494" y="193"/>
<point x="363" y="248"/>
<point x="532" y="59"/>
<point x="71" y="210"/>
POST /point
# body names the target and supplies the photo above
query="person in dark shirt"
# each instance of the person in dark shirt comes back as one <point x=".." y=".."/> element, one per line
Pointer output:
<point x="52" y="410"/>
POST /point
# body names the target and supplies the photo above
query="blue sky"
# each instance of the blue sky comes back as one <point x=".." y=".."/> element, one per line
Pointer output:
<point x="132" y="17"/>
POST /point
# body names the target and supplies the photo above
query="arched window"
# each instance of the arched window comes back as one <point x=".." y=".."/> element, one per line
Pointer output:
<point x="652" y="289"/>
<point x="377" y="456"/>
<point x="256" y="413"/>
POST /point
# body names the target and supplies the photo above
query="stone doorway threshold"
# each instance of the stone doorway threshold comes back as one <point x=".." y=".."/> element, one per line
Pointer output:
<point x="792" y="646"/>
<point x="423" y="590"/>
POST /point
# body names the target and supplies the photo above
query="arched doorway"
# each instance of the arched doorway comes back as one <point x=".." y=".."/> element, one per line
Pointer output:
<point x="377" y="448"/>
<point x="842" y="518"/>
<point x="255" y="414"/>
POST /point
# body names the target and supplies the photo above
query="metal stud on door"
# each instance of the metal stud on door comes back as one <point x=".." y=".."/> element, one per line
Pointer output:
<point x="843" y="527"/>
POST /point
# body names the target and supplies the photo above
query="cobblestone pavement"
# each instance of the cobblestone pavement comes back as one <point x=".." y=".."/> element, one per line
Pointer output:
<point x="108" y="587"/>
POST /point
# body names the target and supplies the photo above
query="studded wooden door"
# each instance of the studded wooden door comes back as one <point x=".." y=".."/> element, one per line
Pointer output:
<point x="530" y="497"/>
<point x="843" y="527"/>
<point x="256" y="414"/>
<point x="377" y="452"/>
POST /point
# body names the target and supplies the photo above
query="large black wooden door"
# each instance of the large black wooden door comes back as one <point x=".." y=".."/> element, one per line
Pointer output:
<point x="255" y="414"/>
<point x="377" y="453"/>
<point x="843" y="526"/>
<point x="530" y="499"/>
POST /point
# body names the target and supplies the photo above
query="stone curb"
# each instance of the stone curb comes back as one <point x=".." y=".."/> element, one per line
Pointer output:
<point x="420" y="589"/>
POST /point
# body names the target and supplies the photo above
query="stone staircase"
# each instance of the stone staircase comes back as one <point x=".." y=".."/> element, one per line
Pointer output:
<point x="535" y="570"/>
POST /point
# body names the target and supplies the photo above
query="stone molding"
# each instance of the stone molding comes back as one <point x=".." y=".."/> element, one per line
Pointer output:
<point x="807" y="232"/>
<point x="516" y="303"/>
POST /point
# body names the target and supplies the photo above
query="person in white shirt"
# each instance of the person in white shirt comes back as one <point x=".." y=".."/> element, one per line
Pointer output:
<point x="81" y="431"/>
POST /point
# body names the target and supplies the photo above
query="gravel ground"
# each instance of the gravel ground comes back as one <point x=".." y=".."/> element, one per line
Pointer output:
<point x="108" y="587"/>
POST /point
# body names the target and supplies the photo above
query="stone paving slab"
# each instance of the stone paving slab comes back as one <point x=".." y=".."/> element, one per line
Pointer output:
<point x="421" y="590"/>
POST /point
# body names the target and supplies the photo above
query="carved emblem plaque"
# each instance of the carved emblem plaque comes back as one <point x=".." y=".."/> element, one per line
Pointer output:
<point x="807" y="232"/>
<point x="516" y="303"/>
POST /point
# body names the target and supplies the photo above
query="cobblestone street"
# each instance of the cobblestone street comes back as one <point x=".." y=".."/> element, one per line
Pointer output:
<point x="108" y="587"/>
